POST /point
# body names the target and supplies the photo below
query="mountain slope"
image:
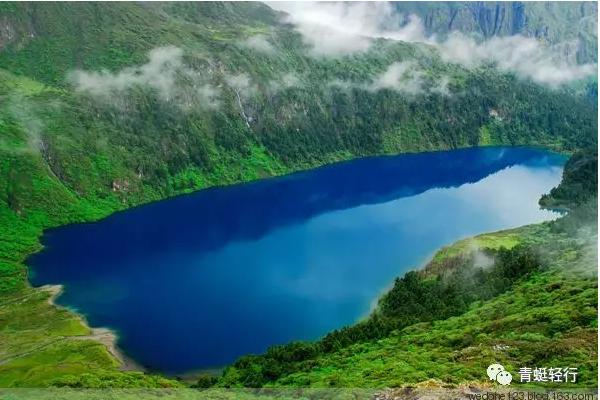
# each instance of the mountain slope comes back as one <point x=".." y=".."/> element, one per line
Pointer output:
<point x="553" y="22"/>
<point x="534" y="306"/>
<point x="286" y="108"/>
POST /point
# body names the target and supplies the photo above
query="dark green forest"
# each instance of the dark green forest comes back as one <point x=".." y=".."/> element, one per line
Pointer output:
<point x="447" y="287"/>
<point x="575" y="188"/>
<point x="160" y="147"/>
<point x="414" y="298"/>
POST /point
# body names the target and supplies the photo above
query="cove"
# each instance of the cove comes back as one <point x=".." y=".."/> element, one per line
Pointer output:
<point x="198" y="280"/>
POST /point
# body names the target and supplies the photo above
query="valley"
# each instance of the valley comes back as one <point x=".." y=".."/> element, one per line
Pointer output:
<point x="104" y="108"/>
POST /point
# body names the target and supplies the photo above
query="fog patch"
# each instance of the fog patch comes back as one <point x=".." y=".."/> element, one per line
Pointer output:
<point x="404" y="77"/>
<point x="165" y="73"/>
<point x="478" y="257"/>
<point x="286" y="81"/>
<point x="586" y="237"/>
<point x="442" y="87"/>
<point x="260" y="44"/>
<point x="241" y="84"/>
<point x="23" y="112"/>
<point x="344" y="85"/>
<point x="524" y="56"/>
<point x="158" y="73"/>
<point x="337" y="29"/>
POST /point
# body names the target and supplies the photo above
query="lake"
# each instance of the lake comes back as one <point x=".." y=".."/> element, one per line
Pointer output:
<point x="198" y="280"/>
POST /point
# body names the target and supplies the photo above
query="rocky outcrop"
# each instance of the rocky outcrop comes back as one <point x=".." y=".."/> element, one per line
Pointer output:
<point x="552" y="22"/>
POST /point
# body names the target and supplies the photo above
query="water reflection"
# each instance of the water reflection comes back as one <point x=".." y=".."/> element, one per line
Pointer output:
<point x="198" y="280"/>
<point x="209" y="219"/>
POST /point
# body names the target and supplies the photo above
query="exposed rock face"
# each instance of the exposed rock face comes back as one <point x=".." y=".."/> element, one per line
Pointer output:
<point x="518" y="21"/>
<point x="10" y="32"/>
<point x="551" y="22"/>
<point x="120" y="185"/>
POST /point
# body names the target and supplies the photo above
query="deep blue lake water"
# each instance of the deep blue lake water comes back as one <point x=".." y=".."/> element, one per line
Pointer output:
<point x="199" y="280"/>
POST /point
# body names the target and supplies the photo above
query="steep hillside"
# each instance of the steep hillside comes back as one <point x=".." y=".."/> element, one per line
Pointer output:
<point x="575" y="190"/>
<point x="105" y="106"/>
<point x="552" y="22"/>
<point x="223" y="109"/>
<point x="522" y="297"/>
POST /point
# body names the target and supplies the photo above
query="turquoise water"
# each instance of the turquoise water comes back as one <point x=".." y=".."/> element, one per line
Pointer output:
<point x="199" y="280"/>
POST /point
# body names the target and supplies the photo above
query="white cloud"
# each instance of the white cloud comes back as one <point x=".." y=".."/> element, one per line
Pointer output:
<point x="259" y="43"/>
<point x="288" y="80"/>
<point x="209" y="94"/>
<point x="334" y="29"/>
<point x="25" y="113"/>
<point x="524" y="56"/>
<point x="343" y="84"/>
<point x="164" y="72"/>
<point x="241" y="84"/>
<point x="442" y="86"/>
<point x="158" y="73"/>
<point x="404" y="77"/>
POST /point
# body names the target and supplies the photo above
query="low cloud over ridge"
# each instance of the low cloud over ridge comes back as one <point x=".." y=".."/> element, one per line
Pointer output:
<point x="522" y="55"/>
<point x="403" y="77"/>
<point x="338" y="29"/>
<point x="164" y="72"/>
<point x="259" y="43"/>
<point x="334" y="29"/>
<point x="407" y="78"/>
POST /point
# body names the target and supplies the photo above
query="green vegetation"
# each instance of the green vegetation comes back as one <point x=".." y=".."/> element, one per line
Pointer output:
<point x="448" y="325"/>
<point x="547" y="320"/>
<point x="69" y="156"/>
<point x="525" y="297"/>
<point x="414" y="298"/>
<point x="575" y="188"/>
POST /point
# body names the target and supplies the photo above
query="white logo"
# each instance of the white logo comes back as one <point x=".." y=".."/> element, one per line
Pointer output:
<point x="504" y="378"/>
<point x="494" y="370"/>
<point x="497" y="373"/>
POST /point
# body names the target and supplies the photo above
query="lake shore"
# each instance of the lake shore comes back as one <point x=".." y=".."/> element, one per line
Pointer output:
<point x="507" y="238"/>
<point x="105" y="336"/>
<point x="109" y="339"/>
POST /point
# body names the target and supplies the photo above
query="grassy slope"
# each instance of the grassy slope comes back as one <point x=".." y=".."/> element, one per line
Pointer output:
<point x="477" y="302"/>
<point x="36" y="343"/>
<point x="60" y="152"/>
<point x="36" y="337"/>
<point x="549" y="319"/>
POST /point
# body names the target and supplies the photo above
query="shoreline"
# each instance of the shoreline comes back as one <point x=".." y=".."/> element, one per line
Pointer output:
<point x="108" y="337"/>
<point x="292" y="171"/>
<point x="105" y="336"/>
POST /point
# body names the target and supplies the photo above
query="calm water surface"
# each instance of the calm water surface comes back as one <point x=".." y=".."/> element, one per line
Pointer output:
<point x="198" y="280"/>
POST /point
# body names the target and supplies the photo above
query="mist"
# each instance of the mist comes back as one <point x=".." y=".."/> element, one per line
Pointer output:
<point x="403" y="77"/>
<point x="341" y="29"/>
<point x="260" y="44"/>
<point x="165" y="73"/>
